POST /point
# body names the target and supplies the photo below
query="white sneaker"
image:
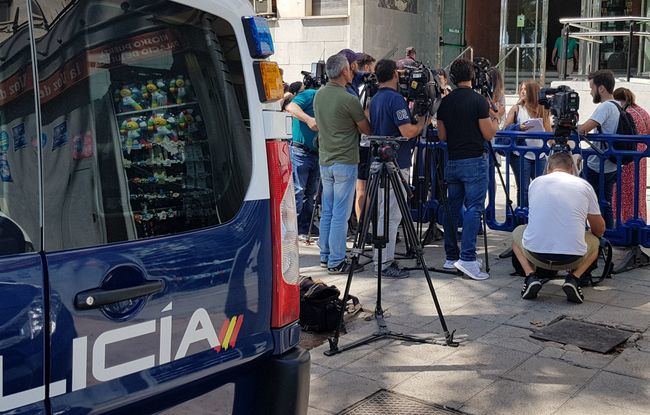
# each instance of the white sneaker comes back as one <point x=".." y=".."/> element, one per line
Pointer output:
<point x="449" y="264"/>
<point x="472" y="269"/>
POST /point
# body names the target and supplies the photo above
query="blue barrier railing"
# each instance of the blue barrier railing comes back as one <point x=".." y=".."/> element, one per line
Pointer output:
<point x="522" y="157"/>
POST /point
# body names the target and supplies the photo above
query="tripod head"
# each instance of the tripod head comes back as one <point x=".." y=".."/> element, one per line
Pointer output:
<point x="383" y="147"/>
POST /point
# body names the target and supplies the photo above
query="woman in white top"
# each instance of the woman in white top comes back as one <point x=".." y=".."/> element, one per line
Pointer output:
<point x="528" y="108"/>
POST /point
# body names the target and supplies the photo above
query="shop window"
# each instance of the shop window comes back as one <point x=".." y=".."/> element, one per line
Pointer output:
<point x="329" y="7"/>
<point x="146" y="120"/>
<point x="19" y="183"/>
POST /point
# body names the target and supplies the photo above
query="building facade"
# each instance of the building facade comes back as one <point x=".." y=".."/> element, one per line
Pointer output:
<point x="305" y="31"/>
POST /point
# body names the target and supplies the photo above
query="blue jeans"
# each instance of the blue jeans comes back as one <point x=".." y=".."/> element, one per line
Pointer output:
<point x="467" y="184"/>
<point x="306" y="176"/>
<point x="525" y="171"/>
<point x="605" y="201"/>
<point x="338" y="194"/>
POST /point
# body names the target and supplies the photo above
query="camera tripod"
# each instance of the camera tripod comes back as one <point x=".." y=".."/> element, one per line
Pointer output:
<point x="384" y="174"/>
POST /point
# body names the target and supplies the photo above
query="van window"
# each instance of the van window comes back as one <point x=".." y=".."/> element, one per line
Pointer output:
<point x="145" y="114"/>
<point x="19" y="178"/>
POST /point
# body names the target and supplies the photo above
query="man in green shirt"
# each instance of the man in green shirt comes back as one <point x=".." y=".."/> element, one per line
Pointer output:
<point x="571" y="55"/>
<point x="340" y="119"/>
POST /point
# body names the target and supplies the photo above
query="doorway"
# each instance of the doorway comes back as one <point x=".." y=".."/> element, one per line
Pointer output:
<point x="558" y="9"/>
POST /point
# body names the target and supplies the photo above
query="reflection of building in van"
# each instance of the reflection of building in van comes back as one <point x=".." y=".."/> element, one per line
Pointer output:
<point x="144" y="130"/>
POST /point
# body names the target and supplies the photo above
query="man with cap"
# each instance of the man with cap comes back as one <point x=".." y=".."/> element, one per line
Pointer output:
<point x="353" y="57"/>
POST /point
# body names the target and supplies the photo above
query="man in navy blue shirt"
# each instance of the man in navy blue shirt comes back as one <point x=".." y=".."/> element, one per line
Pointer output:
<point x="390" y="116"/>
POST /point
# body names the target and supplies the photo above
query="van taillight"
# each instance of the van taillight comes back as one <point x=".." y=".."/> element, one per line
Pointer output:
<point x="284" y="236"/>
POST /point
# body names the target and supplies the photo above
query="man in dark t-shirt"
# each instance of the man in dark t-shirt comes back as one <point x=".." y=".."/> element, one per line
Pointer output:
<point x="390" y="116"/>
<point x="465" y="122"/>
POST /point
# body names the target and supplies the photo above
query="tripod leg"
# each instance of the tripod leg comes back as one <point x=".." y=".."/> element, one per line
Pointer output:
<point x="409" y="229"/>
<point x="485" y="243"/>
<point x="313" y="212"/>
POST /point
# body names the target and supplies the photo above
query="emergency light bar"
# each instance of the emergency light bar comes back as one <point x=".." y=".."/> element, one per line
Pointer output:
<point x="258" y="37"/>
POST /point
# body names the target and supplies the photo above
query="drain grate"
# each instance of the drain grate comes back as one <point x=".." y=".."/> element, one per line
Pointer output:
<point x="387" y="402"/>
<point x="586" y="336"/>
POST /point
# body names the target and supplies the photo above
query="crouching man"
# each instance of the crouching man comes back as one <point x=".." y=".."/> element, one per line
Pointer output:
<point x="555" y="239"/>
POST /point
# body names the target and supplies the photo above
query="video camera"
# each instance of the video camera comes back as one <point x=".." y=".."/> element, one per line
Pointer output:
<point x="370" y="88"/>
<point x="563" y="102"/>
<point x="317" y="77"/>
<point x="482" y="82"/>
<point x="419" y="85"/>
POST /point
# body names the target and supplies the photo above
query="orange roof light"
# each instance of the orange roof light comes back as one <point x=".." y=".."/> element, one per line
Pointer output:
<point x="269" y="81"/>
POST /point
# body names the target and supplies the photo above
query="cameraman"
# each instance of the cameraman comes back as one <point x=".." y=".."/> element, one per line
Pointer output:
<point x="304" y="158"/>
<point x="465" y="122"/>
<point x="340" y="119"/>
<point x="555" y="238"/>
<point x="390" y="116"/>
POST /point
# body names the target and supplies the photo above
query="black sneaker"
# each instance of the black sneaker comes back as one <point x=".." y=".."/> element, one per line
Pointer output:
<point x="393" y="271"/>
<point x="585" y="280"/>
<point x="344" y="268"/>
<point x="531" y="287"/>
<point x="323" y="264"/>
<point x="572" y="289"/>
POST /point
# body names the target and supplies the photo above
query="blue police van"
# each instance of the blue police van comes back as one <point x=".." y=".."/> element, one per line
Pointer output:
<point x="148" y="241"/>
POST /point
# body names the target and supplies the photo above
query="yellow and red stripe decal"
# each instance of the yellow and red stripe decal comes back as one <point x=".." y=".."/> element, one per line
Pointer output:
<point x="229" y="332"/>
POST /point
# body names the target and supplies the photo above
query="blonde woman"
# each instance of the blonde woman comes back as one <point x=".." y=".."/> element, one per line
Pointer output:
<point x="519" y="118"/>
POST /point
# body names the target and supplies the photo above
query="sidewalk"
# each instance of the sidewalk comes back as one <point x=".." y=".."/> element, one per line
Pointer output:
<point x="499" y="369"/>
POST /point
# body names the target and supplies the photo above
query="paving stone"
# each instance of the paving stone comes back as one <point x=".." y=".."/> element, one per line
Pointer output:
<point x="544" y="371"/>
<point x="637" y="320"/>
<point x="643" y="343"/>
<point x="572" y="348"/>
<point x="469" y="326"/>
<point x="631" y="362"/>
<point x="618" y="391"/>
<point x="445" y="387"/>
<point x="391" y="366"/>
<point x="317" y="371"/>
<point x="582" y="406"/>
<point x="514" y="338"/>
<point x="339" y="360"/>
<point x="509" y="397"/>
<point x="457" y="377"/>
<point x="533" y="318"/>
<point x="637" y="301"/>
<point x="315" y="411"/>
<point x="585" y="358"/>
<point x="410" y="315"/>
<point x="337" y="390"/>
<point x="491" y="310"/>
<point x="551" y="352"/>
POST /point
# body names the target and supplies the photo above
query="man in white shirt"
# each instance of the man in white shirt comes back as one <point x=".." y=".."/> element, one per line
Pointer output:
<point x="604" y="120"/>
<point x="555" y="239"/>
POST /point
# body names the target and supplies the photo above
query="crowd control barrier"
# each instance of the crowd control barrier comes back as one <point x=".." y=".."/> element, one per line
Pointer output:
<point x="509" y="146"/>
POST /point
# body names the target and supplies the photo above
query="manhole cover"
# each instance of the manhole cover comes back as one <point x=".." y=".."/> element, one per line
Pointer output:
<point x="584" y="335"/>
<point x="387" y="402"/>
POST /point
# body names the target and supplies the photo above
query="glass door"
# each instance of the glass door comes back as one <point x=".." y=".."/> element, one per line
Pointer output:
<point x="523" y="40"/>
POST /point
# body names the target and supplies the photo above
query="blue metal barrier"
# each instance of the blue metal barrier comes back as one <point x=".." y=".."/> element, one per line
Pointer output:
<point x="516" y="151"/>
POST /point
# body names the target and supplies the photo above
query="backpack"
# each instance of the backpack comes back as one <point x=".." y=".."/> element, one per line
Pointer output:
<point x="320" y="305"/>
<point x="626" y="126"/>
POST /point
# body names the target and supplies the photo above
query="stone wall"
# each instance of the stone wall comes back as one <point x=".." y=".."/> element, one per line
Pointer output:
<point x="301" y="41"/>
<point x="385" y="29"/>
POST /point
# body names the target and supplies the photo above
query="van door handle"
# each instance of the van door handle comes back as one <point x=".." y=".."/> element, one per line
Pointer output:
<point x="99" y="297"/>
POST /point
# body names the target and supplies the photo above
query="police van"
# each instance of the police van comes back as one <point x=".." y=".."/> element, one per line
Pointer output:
<point x="148" y="241"/>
